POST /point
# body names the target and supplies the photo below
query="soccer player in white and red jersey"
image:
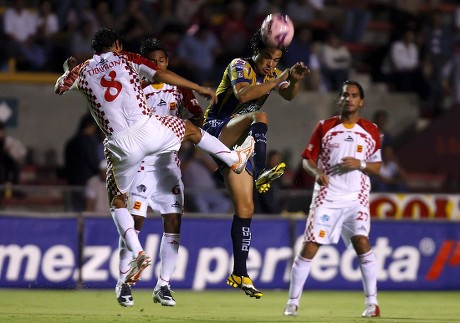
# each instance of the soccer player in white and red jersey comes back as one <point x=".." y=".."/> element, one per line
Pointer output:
<point x="158" y="183"/>
<point x="110" y="80"/>
<point x="341" y="153"/>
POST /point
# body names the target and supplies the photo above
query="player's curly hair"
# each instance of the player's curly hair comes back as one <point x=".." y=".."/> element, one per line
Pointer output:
<point x="355" y="83"/>
<point x="103" y="39"/>
<point x="256" y="44"/>
<point x="152" y="44"/>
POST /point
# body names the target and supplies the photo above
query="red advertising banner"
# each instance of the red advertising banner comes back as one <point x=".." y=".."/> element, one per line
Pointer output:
<point x="415" y="206"/>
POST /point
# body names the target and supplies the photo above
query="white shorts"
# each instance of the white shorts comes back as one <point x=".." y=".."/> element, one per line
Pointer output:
<point x="125" y="152"/>
<point x="325" y="225"/>
<point x="158" y="186"/>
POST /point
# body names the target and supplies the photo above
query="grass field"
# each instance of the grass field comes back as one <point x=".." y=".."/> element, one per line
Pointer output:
<point x="224" y="306"/>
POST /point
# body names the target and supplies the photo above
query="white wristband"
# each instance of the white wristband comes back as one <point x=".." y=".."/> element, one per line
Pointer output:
<point x="362" y="165"/>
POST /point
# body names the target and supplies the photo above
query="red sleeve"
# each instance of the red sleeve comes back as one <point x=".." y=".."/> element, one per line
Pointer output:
<point x="65" y="82"/>
<point x="373" y="130"/>
<point x="140" y="60"/>
<point x="314" y="148"/>
<point x="190" y="102"/>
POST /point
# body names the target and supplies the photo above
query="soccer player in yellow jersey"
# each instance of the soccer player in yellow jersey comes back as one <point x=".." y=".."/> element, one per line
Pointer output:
<point x="244" y="88"/>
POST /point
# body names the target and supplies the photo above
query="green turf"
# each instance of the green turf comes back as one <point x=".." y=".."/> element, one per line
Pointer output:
<point x="223" y="306"/>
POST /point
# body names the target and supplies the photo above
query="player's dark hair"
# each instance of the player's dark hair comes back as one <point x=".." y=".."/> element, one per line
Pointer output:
<point x="103" y="39"/>
<point x="256" y="44"/>
<point x="152" y="44"/>
<point x="348" y="82"/>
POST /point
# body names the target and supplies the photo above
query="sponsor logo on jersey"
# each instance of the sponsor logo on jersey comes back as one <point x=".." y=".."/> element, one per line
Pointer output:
<point x="141" y="188"/>
<point x="322" y="233"/>
<point x="102" y="61"/>
<point x="349" y="138"/>
<point x="177" y="204"/>
<point x="325" y="218"/>
<point x="332" y="145"/>
<point x="137" y="205"/>
<point x="161" y="103"/>
<point x="359" y="148"/>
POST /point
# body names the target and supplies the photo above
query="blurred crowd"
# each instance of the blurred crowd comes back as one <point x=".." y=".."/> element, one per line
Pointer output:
<point x="420" y="53"/>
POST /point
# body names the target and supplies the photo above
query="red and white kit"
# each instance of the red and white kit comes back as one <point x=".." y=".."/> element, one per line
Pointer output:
<point x="344" y="203"/>
<point x="111" y="83"/>
<point x="158" y="183"/>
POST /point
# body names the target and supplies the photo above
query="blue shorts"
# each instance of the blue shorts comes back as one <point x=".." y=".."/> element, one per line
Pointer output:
<point x="214" y="128"/>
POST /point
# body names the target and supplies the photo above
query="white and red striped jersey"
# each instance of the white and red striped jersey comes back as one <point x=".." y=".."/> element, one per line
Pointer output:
<point x="169" y="100"/>
<point x="111" y="83"/>
<point x="166" y="99"/>
<point x="330" y="142"/>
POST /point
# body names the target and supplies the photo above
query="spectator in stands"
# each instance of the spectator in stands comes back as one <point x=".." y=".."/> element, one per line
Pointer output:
<point x="392" y="177"/>
<point x="81" y="159"/>
<point x="48" y="27"/>
<point x="164" y="14"/>
<point x="186" y="10"/>
<point x="454" y="71"/>
<point x="234" y="34"/>
<point x="301" y="12"/>
<point x="20" y="28"/>
<point x="381" y="120"/>
<point x="12" y="156"/>
<point x="302" y="49"/>
<point x="335" y="62"/>
<point x="356" y="18"/>
<point x="80" y="42"/>
<point x="201" y="187"/>
<point x="97" y="199"/>
<point x="439" y="45"/>
<point x="198" y="51"/>
<point x="134" y="26"/>
<point x="103" y="14"/>
<point x="69" y="8"/>
<point x="405" y="60"/>
<point x="271" y="202"/>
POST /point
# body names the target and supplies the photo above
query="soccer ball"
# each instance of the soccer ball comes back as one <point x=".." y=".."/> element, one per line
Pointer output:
<point x="277" y="30"/>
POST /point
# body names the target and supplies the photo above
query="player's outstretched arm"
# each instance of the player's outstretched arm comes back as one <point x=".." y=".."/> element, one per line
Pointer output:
<point x="297" y="72"/>
<point x="166" y="76"/>
<point x="66" y="81"/>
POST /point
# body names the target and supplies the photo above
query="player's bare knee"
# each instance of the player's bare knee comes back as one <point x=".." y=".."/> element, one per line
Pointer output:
<point x="192" y="132"/>
<point x="119" y="201"/>
<point x="261" y="117"/>
<point x="172" y="223"/>
<point x="361" y="244"/>
<point x="138" y="222"/>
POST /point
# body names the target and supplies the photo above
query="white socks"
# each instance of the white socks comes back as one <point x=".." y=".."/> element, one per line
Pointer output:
<point x="169" y="251"/>
<point x="125" y="257"/>
<point x="125" y="225"/>
<point x="368" y="266"/>
<point x="299" y="273"/>
<point x="215" y="147"/>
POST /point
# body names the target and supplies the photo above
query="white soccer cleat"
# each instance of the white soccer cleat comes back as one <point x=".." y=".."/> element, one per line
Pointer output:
<point x="137" y="265"/>
<point x="245" y="151"/>
<point x="163" y="296"/>
<point x="372" y="310"/>
<point x="124" y="296"/>
<point x="290" y="310"/>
